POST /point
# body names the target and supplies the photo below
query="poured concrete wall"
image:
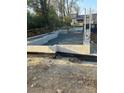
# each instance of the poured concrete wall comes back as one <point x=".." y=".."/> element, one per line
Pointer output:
<point x="44" y="39"/>
<point x="41" y="49"/>
<point x="75" y="49"/>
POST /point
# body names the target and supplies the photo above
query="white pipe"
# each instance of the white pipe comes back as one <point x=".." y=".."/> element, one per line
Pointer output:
<point x="84" y="26"/>
<point x="86" y="38"/>
<point x="90" y="23"/>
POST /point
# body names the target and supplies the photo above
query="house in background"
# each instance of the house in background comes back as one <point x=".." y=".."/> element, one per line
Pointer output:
<point x="78" y="20"/>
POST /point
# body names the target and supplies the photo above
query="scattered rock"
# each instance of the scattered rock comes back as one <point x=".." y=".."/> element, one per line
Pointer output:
<point x="34" y="78"/>
<point x="32" y="85"/>
<point x="74" y="60"/>
<point x="59" y="91"/>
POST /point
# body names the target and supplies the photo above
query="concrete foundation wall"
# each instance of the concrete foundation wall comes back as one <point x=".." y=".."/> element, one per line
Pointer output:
<point x="75" y="49"/>
<point x="44" y="39"/>
<point x="41" y="49"/>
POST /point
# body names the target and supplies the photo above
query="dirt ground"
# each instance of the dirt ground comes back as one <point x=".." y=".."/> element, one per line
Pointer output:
<point x="47" y="75"/>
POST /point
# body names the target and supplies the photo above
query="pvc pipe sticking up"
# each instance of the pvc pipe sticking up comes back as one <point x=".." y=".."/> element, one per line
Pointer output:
<point x="87" y="32"/>
<point x="84" y="26"/>
<point x="90" y="23"/>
